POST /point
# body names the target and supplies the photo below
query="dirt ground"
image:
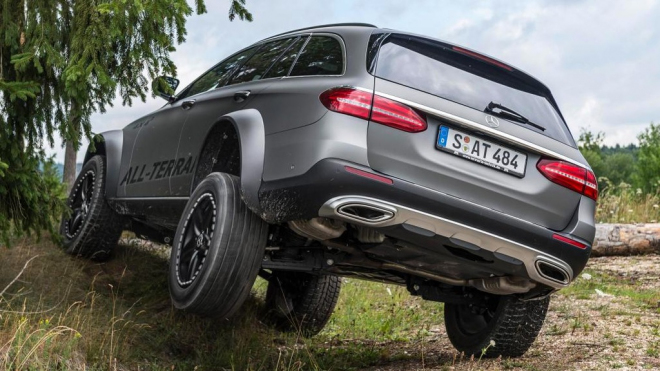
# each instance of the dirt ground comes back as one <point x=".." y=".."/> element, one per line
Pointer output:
<point x="616" y="327"/>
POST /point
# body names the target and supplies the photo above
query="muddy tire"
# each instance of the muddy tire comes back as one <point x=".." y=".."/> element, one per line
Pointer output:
<point x="512" y="324"/>
<point x="217" y="251"/>
<point x="301" y="302"/>
<point x="93" y="228"/>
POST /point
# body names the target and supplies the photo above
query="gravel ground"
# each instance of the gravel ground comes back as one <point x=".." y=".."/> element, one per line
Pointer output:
<point x="608" y="319"/>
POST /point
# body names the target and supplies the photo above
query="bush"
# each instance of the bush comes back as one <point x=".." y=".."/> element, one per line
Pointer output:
<point x="31" y="192"/>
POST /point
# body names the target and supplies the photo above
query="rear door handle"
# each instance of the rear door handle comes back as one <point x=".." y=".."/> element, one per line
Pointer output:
<point x="242" y="95"/>
<point x="188" y="104"/>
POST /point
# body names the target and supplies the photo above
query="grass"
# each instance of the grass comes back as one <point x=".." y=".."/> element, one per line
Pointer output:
<point x="623" y="204"/>
<point x="619" y="286"/>
<point x="66" y="313"/>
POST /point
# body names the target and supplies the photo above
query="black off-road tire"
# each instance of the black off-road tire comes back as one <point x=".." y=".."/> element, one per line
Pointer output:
<point x="301" y="302"/>
<point x="512" y="324"/>
<point x="226" y="239"/>
<point x="93" y="228"/>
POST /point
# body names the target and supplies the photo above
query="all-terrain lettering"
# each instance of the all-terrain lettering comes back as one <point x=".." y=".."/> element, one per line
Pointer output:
<point x="159" y="170"/>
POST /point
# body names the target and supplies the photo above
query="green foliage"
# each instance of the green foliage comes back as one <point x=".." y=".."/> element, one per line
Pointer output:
<point x="648" y="165"/>
<point x="612" y="165"/>
<point x="590" y="145"/>
<point x="237" y="8"/>
<point x="59" y="63"/>
<point x="29" y="197"/>
<point x="619" y="167"/>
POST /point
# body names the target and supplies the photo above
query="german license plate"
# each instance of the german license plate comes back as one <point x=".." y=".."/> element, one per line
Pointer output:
<point x="487" y="153"/>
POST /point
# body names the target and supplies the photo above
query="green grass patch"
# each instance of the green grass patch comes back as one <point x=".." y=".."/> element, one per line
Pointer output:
<point x="609" y="284"/>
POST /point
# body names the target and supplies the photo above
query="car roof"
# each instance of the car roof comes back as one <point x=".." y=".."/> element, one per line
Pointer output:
<point x="324" y="27"/>
<point x="339" y="27"/>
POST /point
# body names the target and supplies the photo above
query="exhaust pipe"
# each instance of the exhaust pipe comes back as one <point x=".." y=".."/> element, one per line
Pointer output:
<point x="552" y="272"/>
<point x="365" y="213"/>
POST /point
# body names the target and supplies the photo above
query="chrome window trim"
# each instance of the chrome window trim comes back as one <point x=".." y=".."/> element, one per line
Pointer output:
<point x="304" y="45"/>
<point x="483" y="128"/>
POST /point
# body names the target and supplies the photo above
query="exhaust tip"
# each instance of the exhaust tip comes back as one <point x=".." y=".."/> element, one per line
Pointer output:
<point x="365" y="213"/>
<point x="552" y="272"/>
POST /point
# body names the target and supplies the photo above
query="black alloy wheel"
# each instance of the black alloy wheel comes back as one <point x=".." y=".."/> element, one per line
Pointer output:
<point x="91" y="228"/>
<point x="195" y="240"/>
<point x="80" y="202"/>
<point x="502" y="326"/>
<point x="217" y="250"/>
<point x="473" y="319"/>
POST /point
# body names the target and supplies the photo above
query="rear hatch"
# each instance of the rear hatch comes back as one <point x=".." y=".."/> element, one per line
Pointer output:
<point x="486" y="157"/>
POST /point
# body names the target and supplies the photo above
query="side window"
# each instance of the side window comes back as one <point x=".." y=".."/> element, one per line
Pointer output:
<point x="283" y="65"/>
<point x="257" y="66"/>
<point x="218" y="75"/>
<point x="322" y="56"/>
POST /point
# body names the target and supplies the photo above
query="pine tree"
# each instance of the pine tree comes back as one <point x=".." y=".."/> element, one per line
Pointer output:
<point x="61" y="61"/>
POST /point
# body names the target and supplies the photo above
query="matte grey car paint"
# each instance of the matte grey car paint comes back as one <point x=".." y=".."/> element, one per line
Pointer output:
<point x="209" y="107"/>
<point x="284" y="130"/>
<point x="413" y="157"/>
<point x="156" y="142"/>
<point x="293" y="152"/>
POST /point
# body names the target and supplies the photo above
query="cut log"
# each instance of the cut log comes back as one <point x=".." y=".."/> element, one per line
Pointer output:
<point x="626" y="239"/>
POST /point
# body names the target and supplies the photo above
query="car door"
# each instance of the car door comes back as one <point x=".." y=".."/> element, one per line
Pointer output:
<point x="153" y="158"/>
<point x="243" y="85"/>
<point x="153" y="148"/>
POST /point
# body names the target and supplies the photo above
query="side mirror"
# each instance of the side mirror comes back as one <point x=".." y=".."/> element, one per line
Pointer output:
<point x="164" y="87"/>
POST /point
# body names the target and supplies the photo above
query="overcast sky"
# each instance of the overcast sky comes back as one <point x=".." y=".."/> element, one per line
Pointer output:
<point x="600" y="58"/>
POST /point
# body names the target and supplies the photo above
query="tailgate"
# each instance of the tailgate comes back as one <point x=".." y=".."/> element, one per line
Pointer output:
<point x="444" y="157"/>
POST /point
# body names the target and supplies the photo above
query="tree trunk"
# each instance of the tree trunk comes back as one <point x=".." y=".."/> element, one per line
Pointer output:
<point x="71" y="151"/>
<point x="69" y="175"/>
<point x="626" y="239"/>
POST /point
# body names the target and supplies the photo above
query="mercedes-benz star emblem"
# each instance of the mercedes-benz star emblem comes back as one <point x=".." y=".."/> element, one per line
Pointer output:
<point x="492" y="121"/>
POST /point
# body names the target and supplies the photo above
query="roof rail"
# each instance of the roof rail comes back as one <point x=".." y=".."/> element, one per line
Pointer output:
<point x="326" y="26"/>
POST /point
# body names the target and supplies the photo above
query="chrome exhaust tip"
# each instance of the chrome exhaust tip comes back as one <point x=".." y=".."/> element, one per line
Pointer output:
<point x="365" y="213"/>
<point x="552" y="272"/>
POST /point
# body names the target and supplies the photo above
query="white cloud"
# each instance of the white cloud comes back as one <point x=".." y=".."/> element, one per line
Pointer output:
<point x="599" y="57"/>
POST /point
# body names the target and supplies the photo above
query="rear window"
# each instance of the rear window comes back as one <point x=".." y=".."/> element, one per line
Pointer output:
<point x="435" y="68"/>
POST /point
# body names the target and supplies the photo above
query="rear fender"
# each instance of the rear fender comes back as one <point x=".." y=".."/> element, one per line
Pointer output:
<point x="249" y="126"/>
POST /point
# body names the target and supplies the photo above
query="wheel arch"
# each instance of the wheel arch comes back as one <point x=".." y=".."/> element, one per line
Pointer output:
<point x="245" y="132"/>
<point x="109" y="146"/>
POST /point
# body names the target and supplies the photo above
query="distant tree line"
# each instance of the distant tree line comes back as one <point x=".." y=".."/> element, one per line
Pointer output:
<point x="634" y="165"/>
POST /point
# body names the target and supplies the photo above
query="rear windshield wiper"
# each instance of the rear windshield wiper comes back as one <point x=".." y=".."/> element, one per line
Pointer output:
<point x="510" y="114"/>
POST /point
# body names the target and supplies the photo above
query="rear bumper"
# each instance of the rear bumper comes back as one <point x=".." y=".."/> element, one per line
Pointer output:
<point x="432" y="222"/>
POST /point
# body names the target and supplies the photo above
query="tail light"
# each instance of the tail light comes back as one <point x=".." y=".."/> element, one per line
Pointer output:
<point x="571" y="176"/>
<point x="373" y="107"/>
